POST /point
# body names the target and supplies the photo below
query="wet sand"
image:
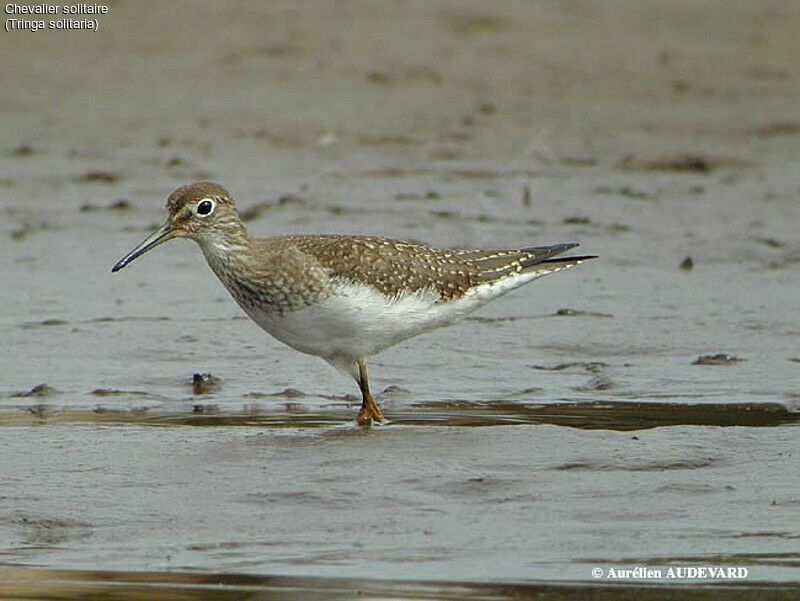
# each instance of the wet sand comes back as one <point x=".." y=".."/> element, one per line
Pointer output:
<point x="640" y="410"/>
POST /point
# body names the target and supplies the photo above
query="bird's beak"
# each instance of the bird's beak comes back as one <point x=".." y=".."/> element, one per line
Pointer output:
<point x="162" y="234"/>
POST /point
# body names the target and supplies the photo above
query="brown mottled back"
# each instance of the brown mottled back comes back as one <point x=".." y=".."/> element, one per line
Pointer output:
<point x="393" y="266"/>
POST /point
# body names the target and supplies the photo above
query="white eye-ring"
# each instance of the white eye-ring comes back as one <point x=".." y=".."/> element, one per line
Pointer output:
<point x="205" y="207"/>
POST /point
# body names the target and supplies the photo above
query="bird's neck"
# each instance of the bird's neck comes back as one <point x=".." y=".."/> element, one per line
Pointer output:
<point x="224" y="244"/>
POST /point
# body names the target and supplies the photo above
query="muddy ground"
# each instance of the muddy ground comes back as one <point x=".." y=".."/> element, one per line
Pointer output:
<point x="575" y="423"/>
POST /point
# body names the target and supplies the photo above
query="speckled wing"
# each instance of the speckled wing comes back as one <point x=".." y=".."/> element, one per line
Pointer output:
<point x="393" y="266"/>
<point x="495" y="265"/>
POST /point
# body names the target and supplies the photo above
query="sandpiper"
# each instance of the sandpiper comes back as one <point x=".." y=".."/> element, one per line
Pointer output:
<point x="344" y="298"/>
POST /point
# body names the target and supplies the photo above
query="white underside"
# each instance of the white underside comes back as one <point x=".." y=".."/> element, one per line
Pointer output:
<point x="357" y="320"/>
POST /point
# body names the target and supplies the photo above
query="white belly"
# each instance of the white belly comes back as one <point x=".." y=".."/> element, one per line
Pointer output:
<point x="359" y="321"/>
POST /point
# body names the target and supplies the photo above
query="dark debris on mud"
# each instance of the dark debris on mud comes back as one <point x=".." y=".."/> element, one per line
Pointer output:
<point x="205" y="383"/>
<point x="43" y="323"/>
<point x="717" y="359"/>
<point x="99" y="176"/>
<point x="771" y="242"/>
<point x="627" y="192"/>
<point x="679" y="162"/>
<point x="27" y="228"/>
<point x="567" y="312"/>
<point x="117" y="205"/>
<point x="23" y="150"/>
<point x="40" y="390"/>
<point x="428" y="195"/>
<point x="255" y="211"/>
<point x="576" y="220"/>
<point x="782" y="128"/>
<point x="583" y="366"/>
<point x="106" y="392"/>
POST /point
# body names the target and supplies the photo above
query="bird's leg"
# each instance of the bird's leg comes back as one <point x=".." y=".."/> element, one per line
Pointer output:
<point x="369" y="408"/>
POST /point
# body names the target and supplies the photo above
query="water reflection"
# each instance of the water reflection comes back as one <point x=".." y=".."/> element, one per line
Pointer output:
<point x="620" y="416"/>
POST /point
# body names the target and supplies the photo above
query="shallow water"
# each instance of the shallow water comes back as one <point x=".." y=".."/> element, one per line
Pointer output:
<point x="570" y="425"/>
<point x="24" y="583"/>
<point x="542" y="502"/>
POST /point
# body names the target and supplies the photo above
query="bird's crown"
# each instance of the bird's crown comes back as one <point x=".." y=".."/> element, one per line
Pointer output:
<point x="194" y="193"/>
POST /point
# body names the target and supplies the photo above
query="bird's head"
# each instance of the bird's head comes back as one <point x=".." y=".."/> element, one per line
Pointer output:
<point x="203" y="212"/>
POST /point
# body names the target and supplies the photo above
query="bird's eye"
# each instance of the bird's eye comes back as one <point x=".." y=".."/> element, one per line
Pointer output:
<point x="205" y="207"/>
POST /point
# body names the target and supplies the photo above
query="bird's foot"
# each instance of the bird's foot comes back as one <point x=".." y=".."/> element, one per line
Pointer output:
<point x="370" y="412"/>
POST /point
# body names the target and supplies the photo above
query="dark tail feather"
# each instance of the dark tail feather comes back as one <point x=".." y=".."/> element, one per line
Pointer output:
<point x="575" y="259"/>
<point x="543" y="253"/>
<point x="542" y="259"/>
<point x="557" y="264"/>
